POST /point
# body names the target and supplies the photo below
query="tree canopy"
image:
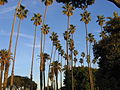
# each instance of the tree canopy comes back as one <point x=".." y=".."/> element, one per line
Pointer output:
<point x="20" y="81"/>
<point x="107" y="51"/>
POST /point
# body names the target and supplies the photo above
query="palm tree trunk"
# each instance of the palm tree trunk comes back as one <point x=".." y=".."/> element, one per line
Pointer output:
<point x="33" y="51"/>
<point x="68" y="87"/>
<point x="16" y="44"/>
<point x="61" y="75"/>
<point x="44" y="43"/>
<point x="92" y="82"/>
<point x="72" y="66"/>
<point x="6" y="75"/>
<point x="44" y="78"/>
<point x="49" y="67"/>
<point x="54" y="54"/>
<point x="41" y="48"/>
<point x="10" y="43"/>
<point x="56" y="82"/>
<point x="58" y="56"/>
<point x="89" y="69"/>
<point x="72" y="71"/>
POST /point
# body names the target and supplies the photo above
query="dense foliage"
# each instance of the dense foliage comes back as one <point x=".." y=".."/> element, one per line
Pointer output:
<point x="20" y="82"/>
<point x="81" y="78"/>
<point x="107" y="51"/>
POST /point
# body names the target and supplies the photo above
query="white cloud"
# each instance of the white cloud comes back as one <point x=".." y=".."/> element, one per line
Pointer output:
<point x="6" y="10"/>
<point x="31" y="45"/>
<point x="2" y="32"/>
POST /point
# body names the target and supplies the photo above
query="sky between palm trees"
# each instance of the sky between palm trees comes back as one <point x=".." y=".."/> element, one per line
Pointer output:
<point x="57" y="23"/>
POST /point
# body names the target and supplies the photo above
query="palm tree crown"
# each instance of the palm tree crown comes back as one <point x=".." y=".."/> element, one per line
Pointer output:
<point x="55" y="67"/>
<point x="101" y="20"/>
<point x="85" y="17"/>
<point x="45" y="29"/>
<point x="47" y="2"/>
<point x="21" y="12"/>
<point x="37" y="19"/>
<point x="68" y="9"/>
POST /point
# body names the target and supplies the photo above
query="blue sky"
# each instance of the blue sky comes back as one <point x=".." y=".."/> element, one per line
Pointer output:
<point x="57" y="22"/>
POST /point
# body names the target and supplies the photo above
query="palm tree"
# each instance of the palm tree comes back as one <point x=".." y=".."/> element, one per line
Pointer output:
<point x="94" y="61"/>
<point x="91" y="40"/>
<point x="37" y="21"/>
<point x="47" y="3"/>
<point x="51" y="77"/>
<point x="86" y="19"/>
<point x="103" y="34"/>
<point x="45" y="30"/>
<point x="72" y="29"/>
<point x="4" y="58"/>
<point x="54" y="38"/>
<point x="75" y="52"/>
<point x="75" y="61"/>
<point x="61" y="53"/>
<point x="83" y="56"/>
<point x="10" y="44"/>
<point x="21" y="14"/>
<point x="55" y="68"/>
<point x="101" y="20"/>
<point x="81" y="61"/>
<point x="68" y="11"/>
<point x="2" y="2"/>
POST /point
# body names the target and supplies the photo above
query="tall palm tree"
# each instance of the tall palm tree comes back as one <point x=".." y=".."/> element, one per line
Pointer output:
<point x="10" y="44"/>
<point x="54" y="38"/>
<point x="21" y="14"/>
<point x="37" y="21"/>
<point x="68" y="11"/>
<point x="47" y="3"/>
<point x="56" y="67"/>
<point x="86" y="18"/>
<point x="4" y="58"/>
<point x="61" y="53"/>
<point x="101" y="20"/>
<point x="2" y="2"/>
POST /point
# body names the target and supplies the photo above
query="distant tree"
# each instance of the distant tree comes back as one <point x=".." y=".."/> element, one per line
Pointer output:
<point x="20" y="82"/>
<point x="55" y="68"/>
<point x="107" y="51"/>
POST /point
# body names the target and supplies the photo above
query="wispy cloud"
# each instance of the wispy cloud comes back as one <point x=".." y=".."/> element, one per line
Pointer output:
<point x="6" y="10"/>
<point x="31" y="45"/>
<point x="15" y="34"/>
